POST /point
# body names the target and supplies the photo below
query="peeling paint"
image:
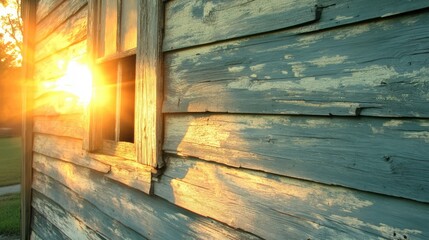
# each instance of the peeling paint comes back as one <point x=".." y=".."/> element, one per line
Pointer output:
<point x="235" y="69"/>
<point x="424" y="135"/>
<point x="241" y="83"/>
<point x="393" y="123"/>
<point x="326" y="60"/>
<point x="382" y="229"/>
<point x="257" y="67"/>
<point x="342" y="18"/>
<point x="355" y="31"/>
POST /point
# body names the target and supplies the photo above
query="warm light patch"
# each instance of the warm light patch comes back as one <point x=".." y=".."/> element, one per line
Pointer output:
<point x="76" y="81"/>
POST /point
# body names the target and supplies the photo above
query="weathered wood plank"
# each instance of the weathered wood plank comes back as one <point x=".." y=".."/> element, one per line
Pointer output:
<point x="57" y="17"/>
<point x="341" y="12"/>
<point x="339" y="151"/>
<point x="66" y="149"/>
<point x="67" y="34"/>
<point x="119" y="169"/>
<point x="45" y="229"/>
<point x="149" y="84"/>
<point x="150" y="216"/>
<point x="63" y="220"/>
<point x="193" y="22"/>
<point x="44" y="7"/>
<point x="333" y="13"/>
<point x="64" y="125"/>
<point x="34" y="236"/>
<point x="297" y="209"/>
<point x="55" y="103"/>
<point x="86" y="212"/>
<point x="371" y="69"/>
<point x="50" y="69"/>
<point x="130" y="173"/>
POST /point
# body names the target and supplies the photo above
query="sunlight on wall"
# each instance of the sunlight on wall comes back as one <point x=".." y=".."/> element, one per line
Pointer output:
<point x="77" y="81"/>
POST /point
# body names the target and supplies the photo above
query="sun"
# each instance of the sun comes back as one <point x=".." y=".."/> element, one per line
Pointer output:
<point x="77" y="80"/>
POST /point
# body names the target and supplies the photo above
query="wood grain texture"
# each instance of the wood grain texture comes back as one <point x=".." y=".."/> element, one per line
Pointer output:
<point x="44" y="7"/>
<point x="149" y="216"/>
<point x="34" y="236"/>
<point x="194" y="22"/>
<point x="149" y="84"/>
<point x="342" y="12"/>
<point x="55" y="103"/>
<point x="48" y="70"/>
<point x="372" y="69"/>
<point x="128" y="172"/>
<point x="63" y="220"/>
<point x="119" y="169"/>
<point x="333" y="13"/>
<point x="70" y="32"/>
<point x="45" y="229"/>
<point x="66" y="149"/>
<point x="273" y="207"/>
<point x="82" y="209"/>
<point x="63" y="125"/>
<point x="58" y="16"/>
<point x="339" y="151"/>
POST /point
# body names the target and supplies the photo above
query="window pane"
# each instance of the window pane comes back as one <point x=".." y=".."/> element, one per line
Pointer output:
<point x="108" y="27"/>
<point x="128" y="66"/>
<point x="129" y="25"/>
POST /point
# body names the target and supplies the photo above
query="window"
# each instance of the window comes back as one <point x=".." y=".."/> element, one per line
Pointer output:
<point x="125" y="115"/>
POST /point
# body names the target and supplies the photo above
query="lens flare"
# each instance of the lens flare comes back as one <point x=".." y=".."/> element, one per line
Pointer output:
<point x="76" y="81"/>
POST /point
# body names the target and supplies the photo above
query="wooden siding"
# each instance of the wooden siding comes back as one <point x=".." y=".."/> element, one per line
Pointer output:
<point x="150" y="216"/>
<point x="318" y="125"/>
<point x="338" y="151"/>
<point x="194" y="22"/>
<point x="371" y="69"/>
<point x="273" y="207"/>
<point x="70" y="32"/>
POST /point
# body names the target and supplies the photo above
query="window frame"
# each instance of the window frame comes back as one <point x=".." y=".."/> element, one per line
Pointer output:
<point x="148" y="119"/>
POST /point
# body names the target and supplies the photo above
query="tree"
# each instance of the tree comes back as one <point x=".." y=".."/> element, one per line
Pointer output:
<point x="11" y="33"/>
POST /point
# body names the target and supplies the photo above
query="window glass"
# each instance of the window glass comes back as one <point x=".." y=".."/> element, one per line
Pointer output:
<point x="128" y="25"/>
<point x="108" y="27"/>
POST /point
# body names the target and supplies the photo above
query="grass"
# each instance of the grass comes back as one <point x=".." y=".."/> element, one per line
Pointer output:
<point x="10" y="161"/>
<point x="9" y="214"/>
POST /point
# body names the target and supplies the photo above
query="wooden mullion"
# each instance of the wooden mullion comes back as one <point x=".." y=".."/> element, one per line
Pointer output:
<point x="149" y="83"/>
<point x="118" y="119"/>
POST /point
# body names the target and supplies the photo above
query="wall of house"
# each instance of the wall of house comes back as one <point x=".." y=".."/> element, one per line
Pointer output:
<point x="283" y="120"/>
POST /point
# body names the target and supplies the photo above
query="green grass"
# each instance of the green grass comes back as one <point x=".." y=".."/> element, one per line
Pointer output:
<point x="9" y="214"/>
<point x="10" y="161"/>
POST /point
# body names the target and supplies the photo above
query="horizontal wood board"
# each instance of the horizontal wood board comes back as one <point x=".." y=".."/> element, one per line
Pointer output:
<point x="331" y="13"/>
<point x="66" y="149"/>
<point x="64" y="221"/>
<point x="44" y="7"/>
<point x="58" y="16"/>
<point x="119" y="169"/>
<point x="339" y="151"/>
<point x="273" y="207"/>
<point x="50" y="69"/>
<point x="44" y="228"/>
<point x="63" y="125"/>
<point x="70" y="32"/>
<point x="83" y="210"/>
<point x="150" y="216"/>
<point x="193" y="22"/>
<point x="372" y="69"/>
